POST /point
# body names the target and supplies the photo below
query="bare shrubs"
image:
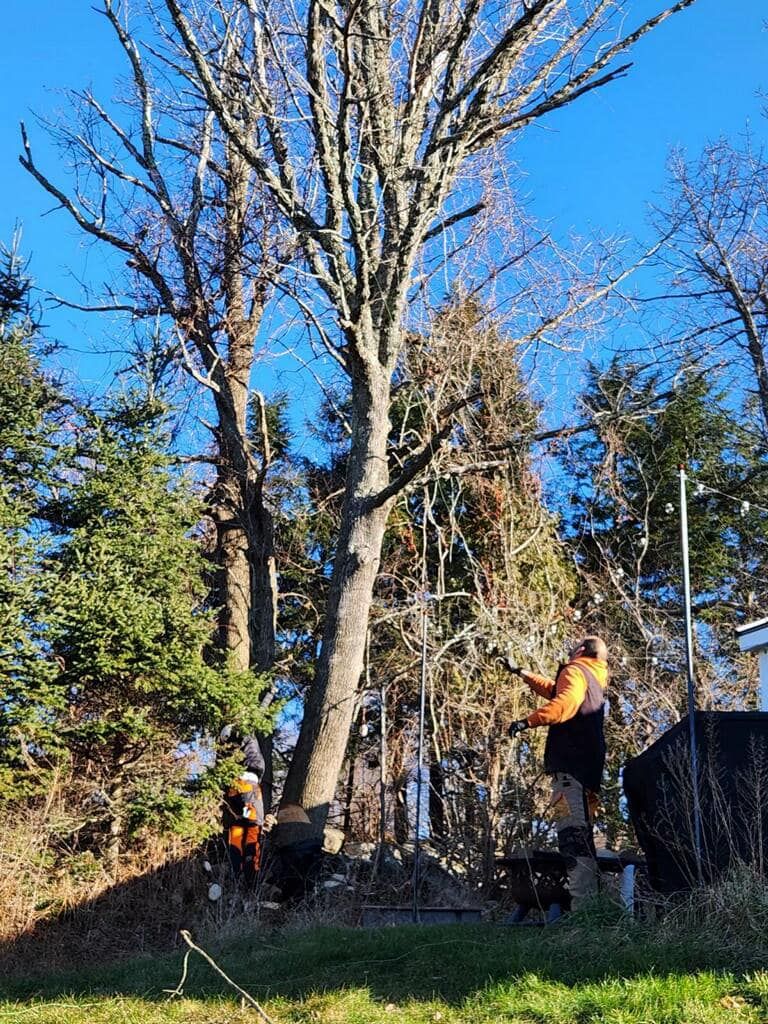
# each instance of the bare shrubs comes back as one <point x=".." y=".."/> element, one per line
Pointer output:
<point x="731" y="913"/>
<point x="62" y="906"/>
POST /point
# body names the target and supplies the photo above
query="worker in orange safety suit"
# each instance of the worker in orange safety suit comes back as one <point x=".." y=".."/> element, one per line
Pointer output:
<point x="243" y="820"/>
<point x="574" y="754"/>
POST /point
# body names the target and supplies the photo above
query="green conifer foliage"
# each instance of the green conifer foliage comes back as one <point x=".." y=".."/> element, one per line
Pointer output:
<point x="29" y="409"/>
<point x="128" y="628"/>
<point x="108" y="680"/>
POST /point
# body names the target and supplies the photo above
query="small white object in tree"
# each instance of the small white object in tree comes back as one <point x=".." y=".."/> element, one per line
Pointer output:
<point x="669" y="508"/>
<point x="699" y="490"/>
<point x="214" y="892"/>
<point x="745" y="507"/>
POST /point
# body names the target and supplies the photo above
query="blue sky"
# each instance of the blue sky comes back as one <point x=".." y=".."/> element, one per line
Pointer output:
<point x="594" y="166"/>
<point x="698" y="76"/>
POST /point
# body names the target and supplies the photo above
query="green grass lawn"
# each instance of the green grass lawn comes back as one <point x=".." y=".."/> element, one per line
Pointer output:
<point x="413" y="975"/>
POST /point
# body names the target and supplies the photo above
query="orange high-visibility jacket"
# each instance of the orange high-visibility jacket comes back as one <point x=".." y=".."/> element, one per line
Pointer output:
<point x="565" y="696"/>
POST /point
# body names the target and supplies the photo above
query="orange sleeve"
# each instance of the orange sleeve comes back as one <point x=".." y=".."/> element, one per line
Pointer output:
<point x="539" y="684"/>
<point x="570" y="691"/>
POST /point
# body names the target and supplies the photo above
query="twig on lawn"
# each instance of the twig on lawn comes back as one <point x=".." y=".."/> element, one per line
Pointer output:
<point x="245" y="996"/>
<point x="179" y="990"/>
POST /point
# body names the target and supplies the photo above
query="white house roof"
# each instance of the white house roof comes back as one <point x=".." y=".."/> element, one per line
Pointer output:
<point x="753" y="636"/>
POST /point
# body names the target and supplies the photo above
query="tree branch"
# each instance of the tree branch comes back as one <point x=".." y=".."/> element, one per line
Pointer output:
<point x="421" y="459"/>
<point x="246" y="996"/>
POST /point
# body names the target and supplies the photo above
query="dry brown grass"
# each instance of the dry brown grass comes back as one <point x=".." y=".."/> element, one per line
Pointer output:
<point x="61" y="907"/>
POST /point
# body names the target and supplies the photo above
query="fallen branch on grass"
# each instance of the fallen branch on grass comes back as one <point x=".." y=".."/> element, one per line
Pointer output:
<point x="245" y="996"/>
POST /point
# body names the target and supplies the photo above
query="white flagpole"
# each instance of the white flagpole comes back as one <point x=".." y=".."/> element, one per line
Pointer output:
<point x="690" y="671"/>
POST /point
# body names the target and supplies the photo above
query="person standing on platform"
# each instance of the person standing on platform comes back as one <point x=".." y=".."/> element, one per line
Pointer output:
<point x="574" y="754"/>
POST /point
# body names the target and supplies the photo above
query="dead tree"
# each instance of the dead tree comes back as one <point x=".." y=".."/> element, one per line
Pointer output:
<point x="155" y="179"/>
<point x="717" y="256"/>
<point x="384" y="115"/>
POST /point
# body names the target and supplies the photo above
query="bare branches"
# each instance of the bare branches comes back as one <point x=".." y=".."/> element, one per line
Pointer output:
<point x="453" y="220"/>
<point x="89" y="225"/>
<point x="419" y="461"/>
<point x="716" y="232"/>
<point x="245" y="996"/>
<point x="379" y="116"/>
<point x="587" y="79"/>
<point x="155" y="178"/>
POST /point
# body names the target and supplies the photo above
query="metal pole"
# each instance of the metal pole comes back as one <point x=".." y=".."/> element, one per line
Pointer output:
<point x="383" y="752"/>
<point x="420" y="759"/>
<point x="690" y="671"/>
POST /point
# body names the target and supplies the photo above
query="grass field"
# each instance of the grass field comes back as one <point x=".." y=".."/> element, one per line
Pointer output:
<point x="620" y="974"/>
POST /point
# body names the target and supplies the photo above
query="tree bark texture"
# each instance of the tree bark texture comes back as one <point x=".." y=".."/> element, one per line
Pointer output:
<point x="330" y="704"/>
<point x="246" y="578"/>
<point x="245" y="533"/>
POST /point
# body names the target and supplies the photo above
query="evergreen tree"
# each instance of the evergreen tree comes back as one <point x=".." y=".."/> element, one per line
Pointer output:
<point x="622" y="521"/>
<point x="128" y="630"/>
<point x="30" y="407"/>
<point x="109" y="680"/>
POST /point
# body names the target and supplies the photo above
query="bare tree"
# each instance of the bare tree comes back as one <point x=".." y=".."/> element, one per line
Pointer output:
<point x="154" y="178"/>
<point x="389" y="111"/>
<point x="717" y="258"/>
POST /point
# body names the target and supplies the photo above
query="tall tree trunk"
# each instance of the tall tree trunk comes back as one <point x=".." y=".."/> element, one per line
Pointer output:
<point x="246" y="585"/>
<point x="330" y="704"/>
<point x="113" y="844"/>
<point x="233" y="570"/>
<point x="246" y="580"/>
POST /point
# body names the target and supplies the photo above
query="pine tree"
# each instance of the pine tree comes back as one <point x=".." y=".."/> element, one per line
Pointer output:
<point x="30" y="408"/>
<point x="128" y="628"/>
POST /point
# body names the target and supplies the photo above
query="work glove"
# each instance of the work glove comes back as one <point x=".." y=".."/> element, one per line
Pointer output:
<point x="517" y="727"/>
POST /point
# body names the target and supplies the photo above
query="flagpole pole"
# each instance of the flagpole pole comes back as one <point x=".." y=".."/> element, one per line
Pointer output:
<point x="690" y="671"/>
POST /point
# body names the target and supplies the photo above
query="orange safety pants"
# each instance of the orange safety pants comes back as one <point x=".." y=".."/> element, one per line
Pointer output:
<point x="243" y="843"/>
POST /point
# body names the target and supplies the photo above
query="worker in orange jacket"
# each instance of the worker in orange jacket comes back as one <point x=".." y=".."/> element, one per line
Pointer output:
<point x="243" y="819"/>
<point x="574" y="754"/>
